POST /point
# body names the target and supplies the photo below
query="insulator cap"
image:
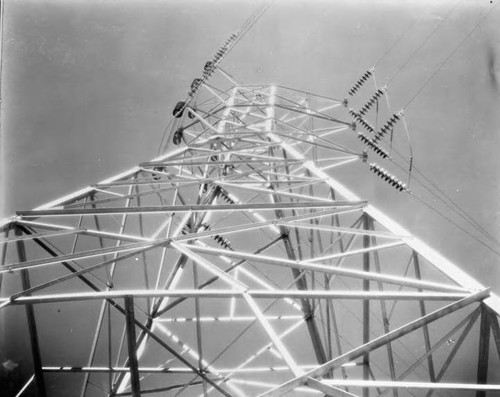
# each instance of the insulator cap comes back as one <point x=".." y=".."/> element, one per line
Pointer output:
<point x="178" y="134"/>
<point x="179" y="109"/>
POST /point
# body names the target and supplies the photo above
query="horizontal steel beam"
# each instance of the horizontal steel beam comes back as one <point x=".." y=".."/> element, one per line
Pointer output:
<point x="189" y="208"/>
<point x="82" y="255"/>
<point x="175" y="370"/>
<point x="150" y="370"/>
<point x="259" y="294"/>
<point x="187" y="162"/>
<point x="84" y="231"/>
<point x="414" y="283"/>
<point x="339" y="229"/>
<point x="328" y="389"/>
<point x="410" y="385"/>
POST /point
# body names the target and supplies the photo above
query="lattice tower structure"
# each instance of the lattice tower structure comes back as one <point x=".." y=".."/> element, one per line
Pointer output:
<point x="236" y="263"/>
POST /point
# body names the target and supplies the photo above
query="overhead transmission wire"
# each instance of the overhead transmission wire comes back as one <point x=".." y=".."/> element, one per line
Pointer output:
<point x="457" y="208"/>
<point x="429" y="36"/>
<point x="250" y="22"/>
<point x="403" y="35"/>
<point x="247" y="25"/>
<point x="451" y="204"/>
<point x="163" y="136"/>
<point x="483" y="18"/>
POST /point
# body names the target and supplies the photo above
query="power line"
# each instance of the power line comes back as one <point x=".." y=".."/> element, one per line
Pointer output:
<point x="403" y="35"/>
<point x="447" y="201"/>
<point x="250" y="22"/>
<point x="424" y="42"/>
<point x="163" y="137"/>
<point x="456" y="224"/>
<point x="451" y="54"/>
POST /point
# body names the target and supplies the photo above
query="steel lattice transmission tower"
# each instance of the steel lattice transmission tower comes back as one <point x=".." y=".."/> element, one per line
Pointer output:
<point x="237" y="264"/>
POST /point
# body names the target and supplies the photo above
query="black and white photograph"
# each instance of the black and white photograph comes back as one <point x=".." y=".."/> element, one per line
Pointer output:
<point x="249" y="198"/>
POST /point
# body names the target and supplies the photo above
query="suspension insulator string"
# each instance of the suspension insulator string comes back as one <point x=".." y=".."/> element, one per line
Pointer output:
<point x="361" y="121"/>
<point x="360" y="82"/>
<point x="372" y="145"/>
<point x="389" y="178"/>
<point x="389" y="125"/>
<point x="372" y="101"/>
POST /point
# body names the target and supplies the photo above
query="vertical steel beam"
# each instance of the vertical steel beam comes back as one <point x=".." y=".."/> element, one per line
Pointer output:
<point x="198" y="327"/>
<point x="495" y="329"/>
<point x="30" y="314"/>
<point x="453" y="352"/>
<point x="425" y="328"/>
<point x="144" y="261"/>
<point x="484" y="349"/>
<point x="301" y="282"/>
<point x="131" y="344"/>
<point x="366" y="304"/>
<point x="385" y="319"/>
<point x="337" y="336"/>
<point x="3" y="253"/>
<point x="467" y="321"/>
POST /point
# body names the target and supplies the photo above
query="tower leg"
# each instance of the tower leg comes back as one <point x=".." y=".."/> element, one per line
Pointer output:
<point x="366" y="304"/>
<point x="484" y="345"/>
<point x="30" y="315"/>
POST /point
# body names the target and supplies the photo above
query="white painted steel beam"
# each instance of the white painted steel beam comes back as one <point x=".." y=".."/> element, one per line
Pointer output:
<point x="271" y="260"/>
<point x="411" y="385"/>
<point x="188" y="208"/>
<point x="220" y="293"/>
<point x="375" y="343"/>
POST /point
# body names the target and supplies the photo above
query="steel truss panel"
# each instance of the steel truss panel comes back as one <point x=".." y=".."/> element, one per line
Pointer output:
<point x="238" y="264"/>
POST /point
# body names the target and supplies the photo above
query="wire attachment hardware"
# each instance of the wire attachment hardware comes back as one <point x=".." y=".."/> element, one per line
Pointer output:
<point x="178" y="135"/>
